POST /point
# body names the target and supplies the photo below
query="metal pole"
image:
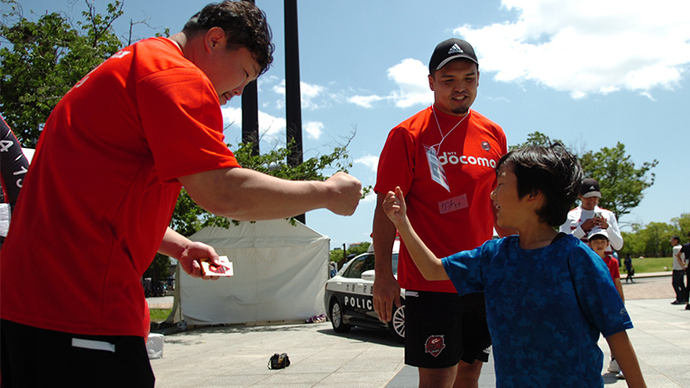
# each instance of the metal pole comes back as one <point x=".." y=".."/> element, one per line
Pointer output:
<point x="250" y="115"/>
<point x="292" y="89"/>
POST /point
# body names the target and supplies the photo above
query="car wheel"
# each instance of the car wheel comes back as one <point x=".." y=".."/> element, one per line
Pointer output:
<point x="397" y="324"/>
<point x="336" y="314"/>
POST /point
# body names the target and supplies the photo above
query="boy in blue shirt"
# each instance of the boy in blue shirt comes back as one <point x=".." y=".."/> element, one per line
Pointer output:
<point x="548" y="295"/>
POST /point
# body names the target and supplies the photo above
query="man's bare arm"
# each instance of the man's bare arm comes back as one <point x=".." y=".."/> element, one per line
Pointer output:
<point x="248" y="195"/>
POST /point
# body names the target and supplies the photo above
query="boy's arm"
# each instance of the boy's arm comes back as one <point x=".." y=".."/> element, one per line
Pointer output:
<point x="624" y="353"/>
<point x="428" y="264"/>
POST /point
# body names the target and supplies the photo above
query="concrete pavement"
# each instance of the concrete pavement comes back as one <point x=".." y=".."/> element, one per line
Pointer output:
<point x="237" y="356"/>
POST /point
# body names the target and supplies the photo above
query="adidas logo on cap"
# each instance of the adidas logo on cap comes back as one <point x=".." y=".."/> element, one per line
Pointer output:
<point x="455" y="50"/>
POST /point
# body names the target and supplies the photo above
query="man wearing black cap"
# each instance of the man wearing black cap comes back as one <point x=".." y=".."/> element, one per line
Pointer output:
<point x="589" y="217"/>
<point x="443" y="158"/>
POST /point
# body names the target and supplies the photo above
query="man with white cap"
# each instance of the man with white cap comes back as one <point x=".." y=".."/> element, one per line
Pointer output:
<point x="589" y="217"/>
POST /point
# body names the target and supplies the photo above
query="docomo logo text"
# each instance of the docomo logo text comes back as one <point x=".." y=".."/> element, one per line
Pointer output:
<point x="453" y="158"/>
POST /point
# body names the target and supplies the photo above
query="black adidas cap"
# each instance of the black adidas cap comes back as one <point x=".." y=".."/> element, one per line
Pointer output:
<point x="449" y="50"/>
<point x="590" y="188"/>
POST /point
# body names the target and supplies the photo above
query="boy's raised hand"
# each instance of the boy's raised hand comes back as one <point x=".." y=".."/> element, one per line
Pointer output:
<point x="394" y="206"/>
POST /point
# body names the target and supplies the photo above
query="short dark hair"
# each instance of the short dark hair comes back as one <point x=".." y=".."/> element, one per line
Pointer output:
<point x="244" y="24"/>
<point x="551" y="170"/>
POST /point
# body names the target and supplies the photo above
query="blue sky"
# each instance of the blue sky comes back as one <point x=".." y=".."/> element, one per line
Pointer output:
<point x="590" y="73"/>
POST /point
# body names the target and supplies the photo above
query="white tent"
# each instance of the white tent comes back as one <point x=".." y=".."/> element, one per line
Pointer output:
<point x="279" y="275"/>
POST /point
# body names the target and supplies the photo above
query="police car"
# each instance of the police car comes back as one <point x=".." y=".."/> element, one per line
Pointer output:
<point x="349" y="297"/>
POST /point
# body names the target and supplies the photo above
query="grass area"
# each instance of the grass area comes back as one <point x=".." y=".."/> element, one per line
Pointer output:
<point x="650" y="264"/>
<point x="159" y="315"/>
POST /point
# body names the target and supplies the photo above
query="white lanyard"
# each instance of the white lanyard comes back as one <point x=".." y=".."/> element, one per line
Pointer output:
<point x="443" y="137"/>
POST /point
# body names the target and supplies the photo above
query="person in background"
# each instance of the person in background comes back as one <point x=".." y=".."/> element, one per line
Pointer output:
<point x="598" y="241"/>
<point x="589" y="217"/>
<point x="13" y="168"/>
<point x="103" y="184"/>
<point x="548" y="295"/>
<point x="443" y="159"/>
<point x="685" y="253"/>
<point x="677" y="280"/>
<point x="629" y="269"/>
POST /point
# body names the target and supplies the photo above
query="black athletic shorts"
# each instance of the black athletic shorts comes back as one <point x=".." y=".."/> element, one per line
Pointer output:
<point x="32" y="357"/>
<point x="443" y="328"/>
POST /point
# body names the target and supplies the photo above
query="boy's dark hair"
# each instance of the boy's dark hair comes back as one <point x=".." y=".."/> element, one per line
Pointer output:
<point x="551" y="170"/>
<point x="244" y="24"/>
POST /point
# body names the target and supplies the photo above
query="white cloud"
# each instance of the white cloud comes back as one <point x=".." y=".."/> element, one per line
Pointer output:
<point x="365" y="101"/>
<point x="314" y="129"/>
<point x="413" y="84"/>
<point x="312" y="95"/>
<point x="587" y="46"/>
<point x="271" y="128"/>
<point x="410" y="76"/>
<point x="370" y="161"/>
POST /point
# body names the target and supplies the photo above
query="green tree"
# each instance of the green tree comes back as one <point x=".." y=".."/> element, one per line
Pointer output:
<point x="683" y="223"/>
<point x="656" y="239"/>
<point x="535" y="139"/>
<point x="621" y="182"/>
<point x="339" y="256"/>
<point x="189" y="217"/>
<point x="44" y="59"/>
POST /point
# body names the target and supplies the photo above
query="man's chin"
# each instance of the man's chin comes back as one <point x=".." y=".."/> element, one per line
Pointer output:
<point x="461" y="111"/>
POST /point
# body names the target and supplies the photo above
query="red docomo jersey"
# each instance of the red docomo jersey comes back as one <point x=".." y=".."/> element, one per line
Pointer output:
<point x="102" y="188"/>
<point x="447" y="222"/>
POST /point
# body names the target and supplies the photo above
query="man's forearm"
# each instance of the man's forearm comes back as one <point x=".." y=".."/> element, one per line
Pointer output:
<point x="173" y="243"/>
<point x="248" y="195"/>
<point x="384" y="238"/>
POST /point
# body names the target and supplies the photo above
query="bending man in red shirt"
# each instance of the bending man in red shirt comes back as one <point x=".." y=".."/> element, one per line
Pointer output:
<point x="97" y="201"/>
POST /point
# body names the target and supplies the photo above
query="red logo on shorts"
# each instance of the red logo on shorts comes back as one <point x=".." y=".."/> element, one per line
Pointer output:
<point x="434" y="345"/>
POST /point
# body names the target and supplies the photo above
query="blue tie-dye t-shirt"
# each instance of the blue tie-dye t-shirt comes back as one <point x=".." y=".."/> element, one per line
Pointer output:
<point x="545" y="309"/>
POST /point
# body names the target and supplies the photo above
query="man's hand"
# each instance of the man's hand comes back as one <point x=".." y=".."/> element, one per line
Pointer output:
<point x="347" y="193"/>
<point x="189" y="259"/>
<point x="386" y="293"/>
<point x="596" y="222"/>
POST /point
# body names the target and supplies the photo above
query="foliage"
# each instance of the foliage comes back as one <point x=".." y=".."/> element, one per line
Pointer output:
<point x="158" y="270"/>
<point x="683" y="223"/>
<point x="189" y="217"/>
<point x="622" y="184"/>
<point x="45" y="58"/>
<point x="339" y="256"/>
<point x="535" y="139"/>
<point x="653" y="239"/>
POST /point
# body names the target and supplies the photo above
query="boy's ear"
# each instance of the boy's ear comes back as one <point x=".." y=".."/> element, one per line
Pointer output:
<point x="534" y="195"/>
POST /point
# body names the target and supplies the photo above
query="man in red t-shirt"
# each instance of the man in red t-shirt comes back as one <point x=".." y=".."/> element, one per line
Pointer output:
<point x="443" y="158"/>
<point x="98" y="198"/>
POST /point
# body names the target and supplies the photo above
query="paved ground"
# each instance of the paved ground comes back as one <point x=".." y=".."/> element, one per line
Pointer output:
<point x="236" y="356"/>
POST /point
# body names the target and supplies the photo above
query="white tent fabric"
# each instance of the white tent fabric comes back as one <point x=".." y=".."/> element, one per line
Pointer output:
<point x="279" y="275"/>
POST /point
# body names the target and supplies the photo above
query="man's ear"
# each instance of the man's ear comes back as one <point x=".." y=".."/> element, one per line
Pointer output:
<point x="431" y="82"/>
<point x="214" y="38"/>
